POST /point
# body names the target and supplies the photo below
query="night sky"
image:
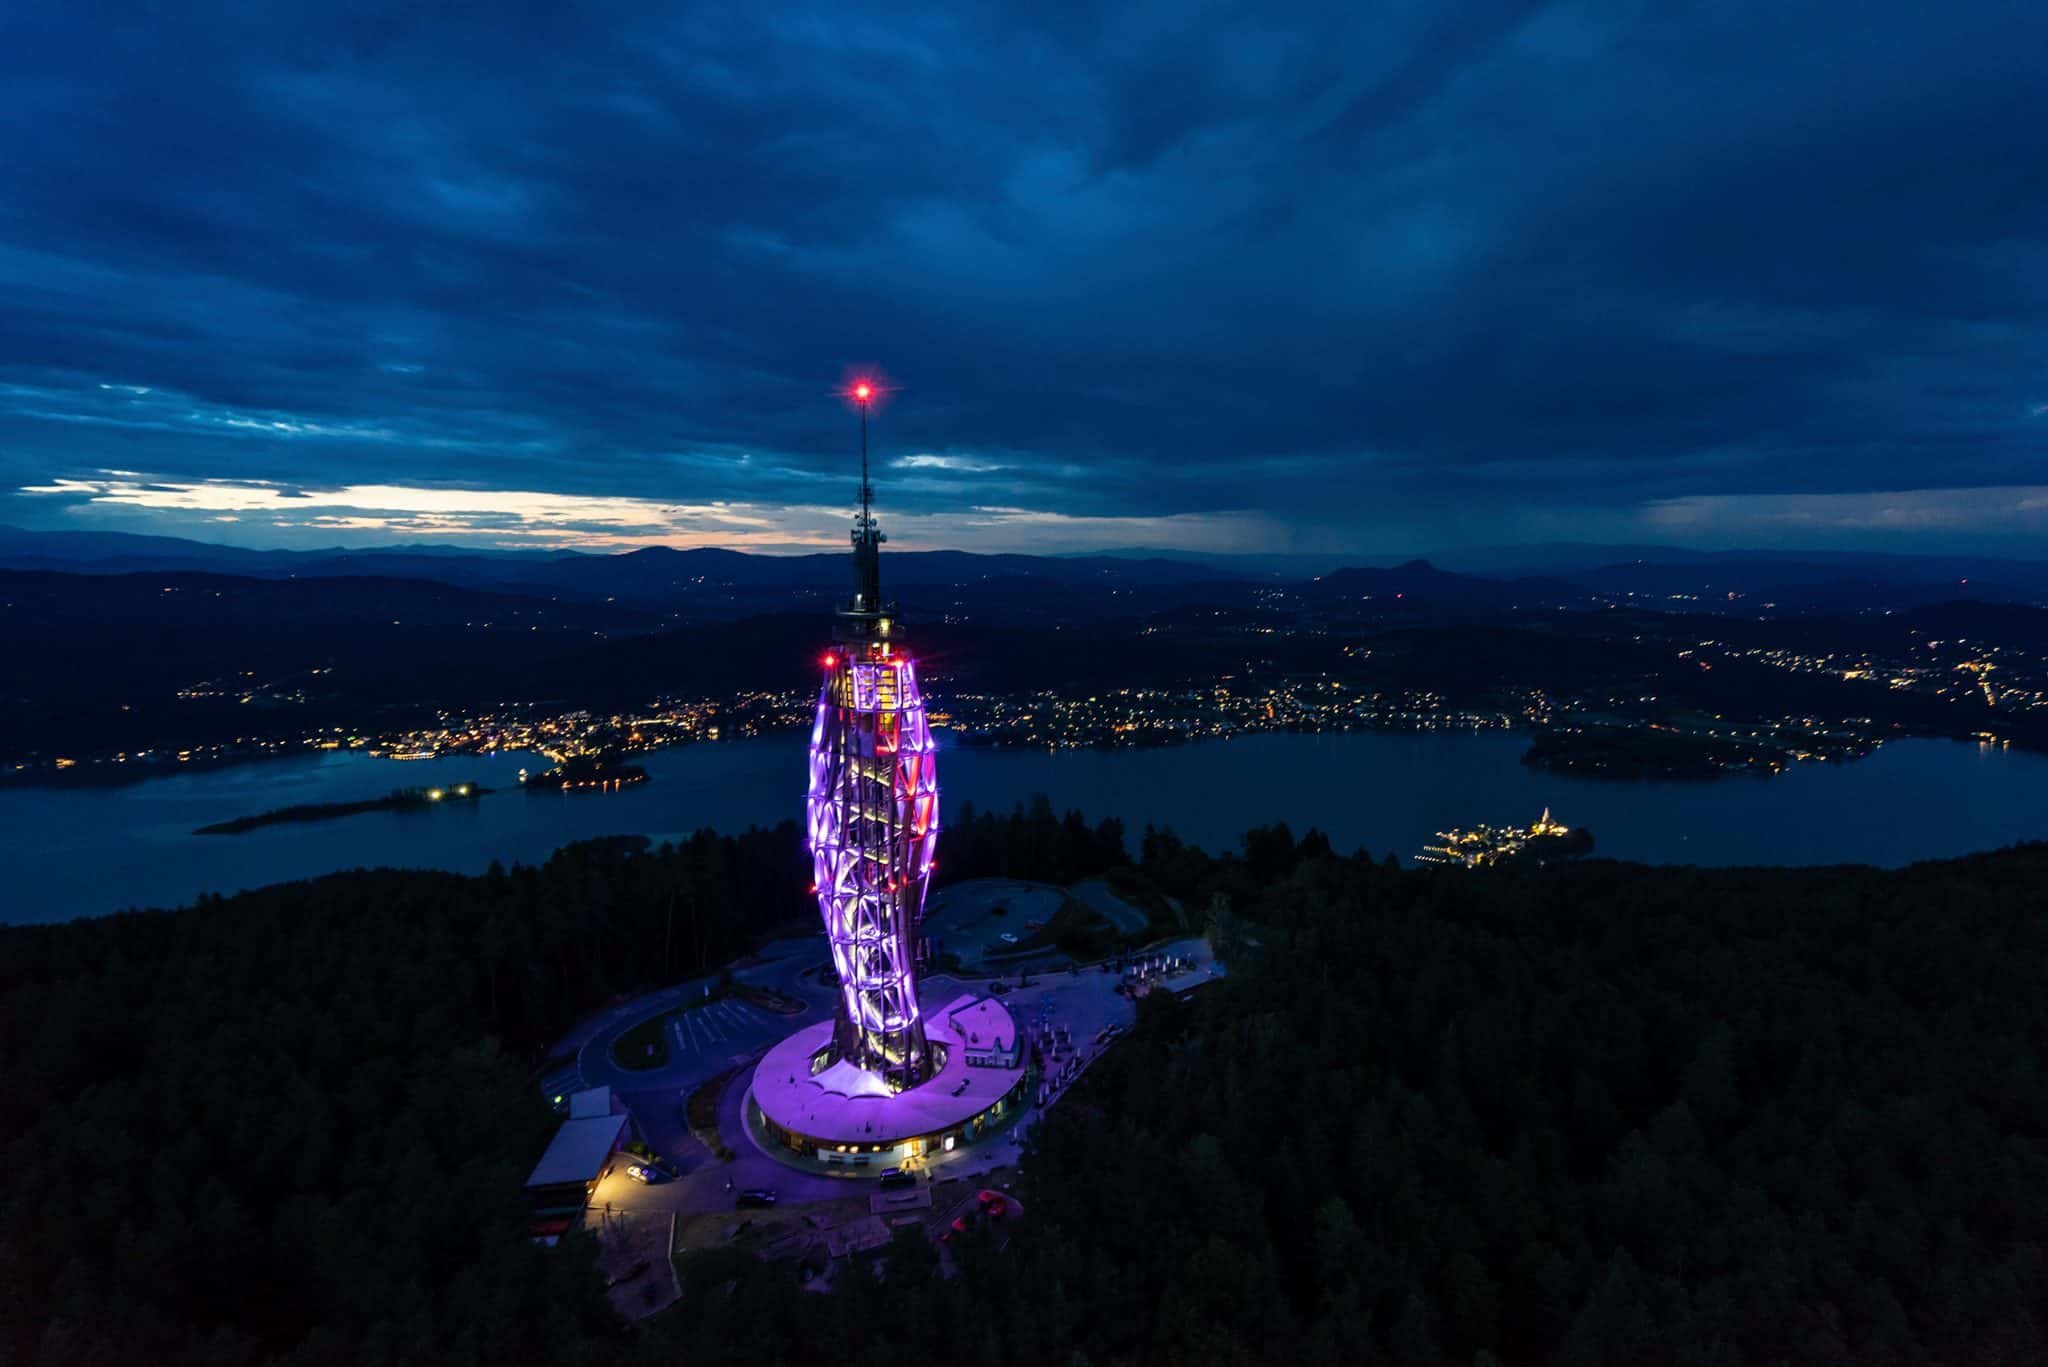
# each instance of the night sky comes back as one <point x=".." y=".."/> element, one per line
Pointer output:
<point x="1400" y="278"/>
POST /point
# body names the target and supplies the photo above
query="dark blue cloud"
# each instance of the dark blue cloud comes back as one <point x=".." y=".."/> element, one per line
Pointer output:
<point x="1428" y="273"/>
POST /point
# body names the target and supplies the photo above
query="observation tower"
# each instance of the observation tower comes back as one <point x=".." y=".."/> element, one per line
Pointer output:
<point x="873" y="815"/>
<point x="889" y="1078"/>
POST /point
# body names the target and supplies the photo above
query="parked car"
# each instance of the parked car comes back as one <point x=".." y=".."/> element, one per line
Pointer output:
<point x="640" y="1172"/>
<point x="1009" y="938"/>
<point x="897" y="1177"/>
<point x="755" y="1196"/>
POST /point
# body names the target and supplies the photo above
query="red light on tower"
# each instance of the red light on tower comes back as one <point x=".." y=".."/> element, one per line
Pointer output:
<point x="831" y="661"/>
<point x="864" y="388"/>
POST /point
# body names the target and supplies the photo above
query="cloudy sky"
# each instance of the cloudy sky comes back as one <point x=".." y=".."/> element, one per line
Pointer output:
<point x="1381" y="279"/>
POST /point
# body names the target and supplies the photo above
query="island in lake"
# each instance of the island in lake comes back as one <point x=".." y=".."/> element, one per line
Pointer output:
<point x="403" y="799"/>
<point x="597" y="771"/>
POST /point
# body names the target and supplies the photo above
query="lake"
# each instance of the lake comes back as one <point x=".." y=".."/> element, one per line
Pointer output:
<point x="79" y="852"/>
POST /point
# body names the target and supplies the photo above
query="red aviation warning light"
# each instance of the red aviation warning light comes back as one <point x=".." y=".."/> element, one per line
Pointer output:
<point x="865" y="388"/>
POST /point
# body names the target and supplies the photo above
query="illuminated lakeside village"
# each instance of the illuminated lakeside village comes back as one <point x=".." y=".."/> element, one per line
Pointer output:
<point x="1668" y="686"/>
<point x="1054" y="719"/>
<point x="1542" y="840"/>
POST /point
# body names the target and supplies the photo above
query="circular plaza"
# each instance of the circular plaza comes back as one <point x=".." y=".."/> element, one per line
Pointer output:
<point x="813" y="1106"/>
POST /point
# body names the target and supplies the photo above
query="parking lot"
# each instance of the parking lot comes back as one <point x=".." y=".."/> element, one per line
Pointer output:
<point x="724" y="1030"/>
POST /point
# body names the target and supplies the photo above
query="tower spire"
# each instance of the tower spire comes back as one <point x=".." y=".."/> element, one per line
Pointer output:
<point x="867" y="536"/>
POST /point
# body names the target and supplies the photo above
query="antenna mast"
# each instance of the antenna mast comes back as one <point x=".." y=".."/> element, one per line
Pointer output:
<point x="867" y="537"/>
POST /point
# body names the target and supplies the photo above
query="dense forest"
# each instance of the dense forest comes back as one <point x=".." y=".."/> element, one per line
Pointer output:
<point x="297" y="1121"/>
<point x="1591" y="1114"/>
<point x="1601" y="1114"/>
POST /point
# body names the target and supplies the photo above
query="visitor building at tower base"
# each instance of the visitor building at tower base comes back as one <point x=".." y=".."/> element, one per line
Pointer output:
<point x="843" y="1116"/>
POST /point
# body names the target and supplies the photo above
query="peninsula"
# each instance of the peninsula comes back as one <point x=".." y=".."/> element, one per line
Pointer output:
<point x="402" y="799"/>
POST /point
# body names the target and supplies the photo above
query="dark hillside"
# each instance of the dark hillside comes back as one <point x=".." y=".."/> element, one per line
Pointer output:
<point x="1605" y="1114"/>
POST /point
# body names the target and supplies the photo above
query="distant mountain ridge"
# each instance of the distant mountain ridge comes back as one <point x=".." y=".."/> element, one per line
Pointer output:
<point x="716" y="583"/>
<point x="704" y="583"/>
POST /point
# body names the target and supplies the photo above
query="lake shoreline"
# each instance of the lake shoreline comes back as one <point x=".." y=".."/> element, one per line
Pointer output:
<point x="96" y="851"/>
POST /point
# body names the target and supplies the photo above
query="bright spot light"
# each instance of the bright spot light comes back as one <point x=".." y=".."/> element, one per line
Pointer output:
<point x="863" y="391"/>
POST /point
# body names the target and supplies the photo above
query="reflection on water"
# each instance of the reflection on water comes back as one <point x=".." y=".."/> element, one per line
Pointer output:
<point x="85" y="852"/>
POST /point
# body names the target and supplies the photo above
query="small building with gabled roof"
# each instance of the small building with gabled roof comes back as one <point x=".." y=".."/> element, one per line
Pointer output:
<point x="580" y="1153"/>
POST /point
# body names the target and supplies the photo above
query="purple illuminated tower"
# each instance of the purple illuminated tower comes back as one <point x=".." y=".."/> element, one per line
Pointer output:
<point x="873" y="817"/>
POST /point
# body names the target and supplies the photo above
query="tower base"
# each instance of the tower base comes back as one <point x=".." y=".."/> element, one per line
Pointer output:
<point x="823" y="1107"/>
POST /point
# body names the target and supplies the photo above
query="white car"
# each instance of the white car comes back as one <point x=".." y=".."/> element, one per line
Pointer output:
<point x="1008" y="938"/>
<point x="640" y="1172"/>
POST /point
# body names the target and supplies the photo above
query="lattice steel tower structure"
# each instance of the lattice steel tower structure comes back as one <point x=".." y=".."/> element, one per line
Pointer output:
<point x="872" y="816"/>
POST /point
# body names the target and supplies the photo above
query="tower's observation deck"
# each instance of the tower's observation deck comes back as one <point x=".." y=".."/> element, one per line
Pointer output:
<point x="873" y="819"/>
